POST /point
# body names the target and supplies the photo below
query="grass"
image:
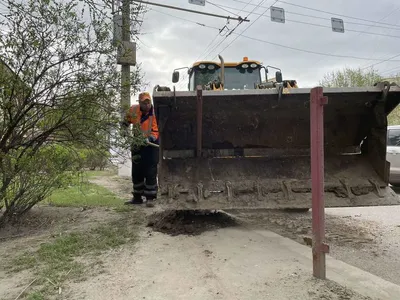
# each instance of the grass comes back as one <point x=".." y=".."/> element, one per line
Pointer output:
<point x="66" y="257"/>
<point x="83" y="193"/>
<point x="93" y="173"/>
<point x="75" y="255"/>
<point x="35" y="296"/>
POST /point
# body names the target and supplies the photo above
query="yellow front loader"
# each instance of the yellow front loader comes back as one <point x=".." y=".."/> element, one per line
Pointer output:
<point x="233" y="140"/>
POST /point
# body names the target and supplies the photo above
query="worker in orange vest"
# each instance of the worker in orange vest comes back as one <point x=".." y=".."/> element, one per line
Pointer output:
<point x="144" y="168"/>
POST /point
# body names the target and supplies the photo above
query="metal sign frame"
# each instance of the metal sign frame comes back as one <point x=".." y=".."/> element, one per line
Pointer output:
<point x="277" y="14"/>
<point x="337" y="25"/>
<point x="198" y="2"/>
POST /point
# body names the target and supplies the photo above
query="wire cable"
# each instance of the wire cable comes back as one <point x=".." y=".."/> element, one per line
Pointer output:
<point x="293" y="48"/>
<point x="241" y="34"/>
<point x="222" y="8"/>
<point x="183" y="19"/>
<point x="376" y="44"/>
<point x="232" y="31"/>
<point x="206" y="51"/>
<point x="218" y="34"/>
<point x="391" y="70"/>
<point x="339" y="15"/>
<point x="381" y="62"/>
<point x="326" y="26"/>
<point x="331" y="13"/>
<point x="322" y="18"/>
<point x="381" y="19"/>
<point x="347" y="22"/>
<point x="186" y="20"/>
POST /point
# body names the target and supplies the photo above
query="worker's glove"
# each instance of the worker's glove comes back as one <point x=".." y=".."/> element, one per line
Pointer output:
<point x="151" y="139"/>
<point x="124" y="129"/>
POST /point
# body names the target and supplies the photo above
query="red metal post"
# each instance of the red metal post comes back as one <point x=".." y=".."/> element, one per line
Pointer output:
<point x="317" y="102"/>
<point x="199" y="133"/>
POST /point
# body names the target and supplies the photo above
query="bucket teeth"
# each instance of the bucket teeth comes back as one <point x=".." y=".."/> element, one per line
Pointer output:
<point x="200" y="194"/>
<point x="259" y="190"/>
<point x="287" y="190"/>
<point x="376" y="188"/>
<point x="347" y="188"/>
<point x="229" y="190"/>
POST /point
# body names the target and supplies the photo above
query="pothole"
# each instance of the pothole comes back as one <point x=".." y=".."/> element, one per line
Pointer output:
<point x="189" y="222"/>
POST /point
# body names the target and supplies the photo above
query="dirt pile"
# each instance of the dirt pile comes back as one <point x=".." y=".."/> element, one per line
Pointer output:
<point x="189" y="222"/>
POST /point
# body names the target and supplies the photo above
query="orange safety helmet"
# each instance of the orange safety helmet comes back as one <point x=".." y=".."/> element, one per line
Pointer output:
<point x="144" y="96"/>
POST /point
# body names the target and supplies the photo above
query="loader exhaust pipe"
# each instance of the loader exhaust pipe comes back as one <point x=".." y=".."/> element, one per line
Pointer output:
<point x="222" y="71"/>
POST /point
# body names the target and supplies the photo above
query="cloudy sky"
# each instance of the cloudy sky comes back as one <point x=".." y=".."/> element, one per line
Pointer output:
<point x="171" y="39"/>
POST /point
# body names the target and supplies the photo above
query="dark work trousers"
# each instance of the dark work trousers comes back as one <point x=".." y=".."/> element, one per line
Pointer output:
<point x="144" y="172"/>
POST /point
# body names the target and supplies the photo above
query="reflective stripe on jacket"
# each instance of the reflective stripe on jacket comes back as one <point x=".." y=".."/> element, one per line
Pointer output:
<point x="148" y="122"/>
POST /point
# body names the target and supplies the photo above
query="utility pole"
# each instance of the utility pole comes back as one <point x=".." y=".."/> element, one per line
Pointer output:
<point x="125" y="67"/>
<point x="126" y="51"/>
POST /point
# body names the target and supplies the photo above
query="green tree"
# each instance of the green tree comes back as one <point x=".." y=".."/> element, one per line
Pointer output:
<point x="350" y="78"/>
<point x="358" y="78"/>
<point x="394" y="116"/>
<point x="59" y="93"/>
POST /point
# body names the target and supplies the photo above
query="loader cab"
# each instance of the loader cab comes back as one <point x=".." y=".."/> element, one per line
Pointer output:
<point x="237" y="75"/>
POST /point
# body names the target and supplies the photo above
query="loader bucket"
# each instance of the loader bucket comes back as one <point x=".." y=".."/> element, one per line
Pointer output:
<point x="251" y="148"/>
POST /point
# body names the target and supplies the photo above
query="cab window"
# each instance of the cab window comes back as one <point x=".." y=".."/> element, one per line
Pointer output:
<point x="191" y="81"/>
<point x="393" y="137"/>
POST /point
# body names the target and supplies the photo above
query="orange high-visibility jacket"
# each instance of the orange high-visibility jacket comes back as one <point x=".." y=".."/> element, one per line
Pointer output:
<point x="148" y="122"/>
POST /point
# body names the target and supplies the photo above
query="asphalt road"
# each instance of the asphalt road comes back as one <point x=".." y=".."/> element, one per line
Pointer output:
<point x="365" y="237"/>
<point x="383" y="257"/>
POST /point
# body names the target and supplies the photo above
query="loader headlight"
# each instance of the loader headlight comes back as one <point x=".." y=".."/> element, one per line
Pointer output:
<point x="202" y="66"/>
<point x="245" y="66"/>
<point x="211" y="67"/>
<point x="253" y="65"/>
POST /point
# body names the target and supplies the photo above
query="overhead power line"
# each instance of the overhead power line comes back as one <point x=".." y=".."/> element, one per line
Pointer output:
<point x="381" y="62"/>
<point x="241" y="10"/>
<point x="347" y="29"/>
<point x="211" y="42"/>
<point x="222" y="8"/>
<point x="331" y="13"/>
<point x="326" y="26"/>
<point x="193" y="11"/>
<point x="181" y="84"/>
<point x="354" y="39"/>
<point x="376" y="45"/>
<point x="315" y="52"/>
<point x="289" y="47"/>
<point x="339" y="15"/>
<point x="241" y="34"/>
<point x="231" y="31"/>
<point x="210" y="45"/>
<point x="390" y="71"/>
<point x="183" y="19"/>
<point x="347" y="22"/>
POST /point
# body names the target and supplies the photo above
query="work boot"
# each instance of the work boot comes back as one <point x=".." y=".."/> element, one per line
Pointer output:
<point x="137" y="199"/>
<point x="150" y="202"/>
